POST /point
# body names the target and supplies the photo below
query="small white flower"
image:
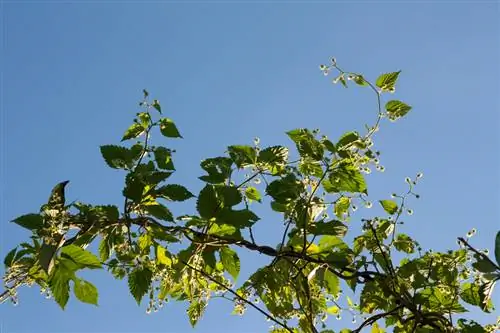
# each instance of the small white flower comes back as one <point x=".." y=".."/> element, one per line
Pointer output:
<point x="368" y="204"/>
<point x="256" y="141"/>
<point x="408" y="180"/>
<point x="471" y="232"/>
<point x="420" y="175"/>
<point x="410" y="211"/>
<point x="354" y="208"/>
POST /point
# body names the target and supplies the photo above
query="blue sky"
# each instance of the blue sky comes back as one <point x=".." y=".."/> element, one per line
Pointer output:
<point x="227" y="72"/>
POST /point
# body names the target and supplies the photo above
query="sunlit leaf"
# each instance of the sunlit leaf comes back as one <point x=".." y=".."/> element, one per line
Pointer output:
<point x="139" y="281"/>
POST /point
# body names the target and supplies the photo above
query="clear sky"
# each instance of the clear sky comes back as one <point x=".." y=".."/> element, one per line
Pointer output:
<point x="226" y="72"/>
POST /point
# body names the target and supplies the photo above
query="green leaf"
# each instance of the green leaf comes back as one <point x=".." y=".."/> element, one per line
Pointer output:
<point x="139" y="281"/>
<point x="470" y="293"/>
<point x="145" y="119"/>
<point x="83" y="258"/>
<point x="485" y="293"/>
<point x="225" y="230"/>
<point x="163" y="158"/>
<point x="160" y="212"/>
<point x="85" y="291"/>
<point x="156" y="105"/>
<point x="404" y="243"/>
<point x="310" y="167"/>
<point x="347" y="178"/>
<point x="483" y="264"/>
<point x="174" y="192"/>
<point x="9" y="258"/>
<point x="345" y="141"/>
<point x="396" y="109"/>
<point x="275" y="155"/>
<point x="328" y="242"/>
<point x="168" y="128"/>
<point x="239" y="218"/>
<point x="218" y="169"/>
<point x="306" y="143"/>
<point x="134" y="188"/>
<point x="59" y="285"/>
<point x="334" y="228"/>
<point x="253" y="194"/>
<point x="207" y="204"/>
<point x="118" y="157"/>
<point x="104" y="249"/>
<point x="144" y="241"/>
<point x="242" y="155"/>
<point x="360" y="80"/>
<point x="29" y="221"/>
<point x="387" y="81"/>
<point x="376" y="328"/>
<point x="133" y="131"/>
<point x="162" y="257"/>
<point x="342" y="207"/>
<point x="285" y="189"/>
<point x="389" y="206"/>
<point x="329" y="281"/>
<point x="231" y="261"/>
<point x="195" y="311"/>
<point x="497" y="248"/>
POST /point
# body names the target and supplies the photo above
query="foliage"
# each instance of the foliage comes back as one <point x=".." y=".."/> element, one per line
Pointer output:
<point x="196" y="257"/>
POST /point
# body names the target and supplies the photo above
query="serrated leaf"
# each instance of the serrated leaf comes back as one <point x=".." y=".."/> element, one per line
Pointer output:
<point x="161" y="256"/>
<point x="485" y="293"/>
<point x="329" y="281"/>
<point x="195" y="311"/>
<point x="144" y="241"/>
<point x="9" y="258"/>
<point x="253" y="194"/>
<point x="29" y="221"/>
<point x="81" y="257"/>
<point x="470" y="293"/>
<point x="59" y="285"/>
<point x="239" y="218"/>
<point x="139" y="281"/>
<point x="160" y="212"/>
<point x="285" y="189"/>
<point x="347" y="178"/>
<point x="242" y="155"/>
<point x="306" y="144"/>
<point x="396" y="109"/>
<point x="85" y="291"/>
<point x="231" y="261"/>
<point x="104" y="249"/>
<point x="207" y="204"/>
<point x="133" y="132"/>
<point x="174" y="192"/>
<point x="118" y="157"/>
<point x="341" y="207"/>
<point x="145" y="119"/>
<point x="168" y="128"/>
<point x="389" y="206"/>
<point x="334" y="228"/>
<point x="345" y="141"/>
<point x="310" y="167"/>
<point x="273" y="155"/>
<point x="163" y="158"/>
<point x="404" y="243"/>
<point x="134" y="188"/>
<point x="218" y="169"/>
<point x="387" y="81"/>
